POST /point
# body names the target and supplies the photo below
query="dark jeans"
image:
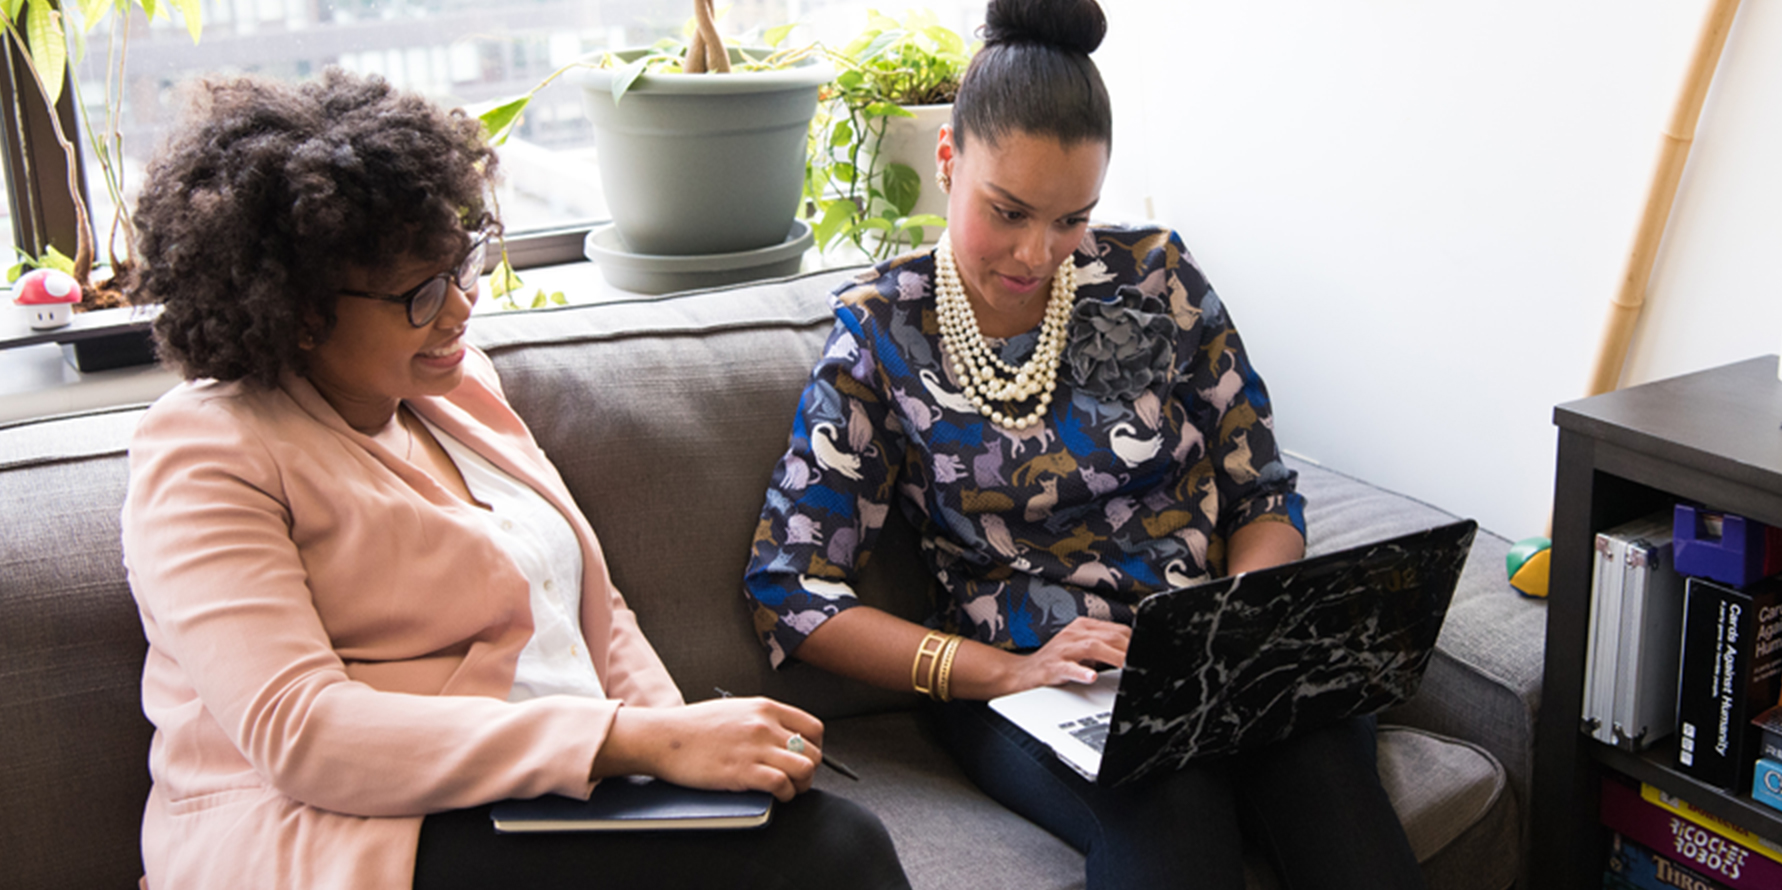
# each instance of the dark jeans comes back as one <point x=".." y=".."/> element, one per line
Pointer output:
<point x="818" y="841"/>
<point x="1312" y="804"/>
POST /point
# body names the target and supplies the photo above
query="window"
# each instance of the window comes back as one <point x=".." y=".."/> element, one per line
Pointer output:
<point x="8" y="255"/>
<point x="454" y="51"/>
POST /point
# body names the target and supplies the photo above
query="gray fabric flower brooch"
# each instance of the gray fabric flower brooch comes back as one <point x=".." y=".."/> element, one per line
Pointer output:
<point x="1119" y="349"/>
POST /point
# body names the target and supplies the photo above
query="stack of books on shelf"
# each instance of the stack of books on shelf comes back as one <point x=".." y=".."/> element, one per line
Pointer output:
<point x="1662" y="842"/>
<point x="1685" y="639"/>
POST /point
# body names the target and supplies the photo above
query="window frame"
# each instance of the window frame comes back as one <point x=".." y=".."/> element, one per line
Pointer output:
<point x="43" y="214"/>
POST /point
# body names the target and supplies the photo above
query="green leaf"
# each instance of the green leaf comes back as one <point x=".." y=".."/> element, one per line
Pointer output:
<point x="11" y="8"/>
<point x="500" y="116"/>
<point x="849" y="80"/>
<point x="777" y="36"/>
<point x="190" y="11"/>
<point x="949" y="43"/>
<point x="925" y="219"/>
<point x="503" y="281"/>
<point x="902" y="186"/>
<point x="627" y="76"/>
<point x="91" y="11"/>
<point x="151" y="8"/>
<point x="880" y="44"/>
<point x="837" y="214"/>
<point x="876" y="222"/>
<point x="887" y="109"/>
<point x="49" y="46"/>
<point x="55" y="259"/>
<point x="12" y="274"/>
<point x="841" y="135"/>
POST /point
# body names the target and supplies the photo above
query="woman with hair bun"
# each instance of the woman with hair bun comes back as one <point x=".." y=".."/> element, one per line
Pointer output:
<point x="1068" y="416"/>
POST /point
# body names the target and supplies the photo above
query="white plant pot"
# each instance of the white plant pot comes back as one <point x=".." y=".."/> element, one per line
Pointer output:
<point x="911" y="141"/>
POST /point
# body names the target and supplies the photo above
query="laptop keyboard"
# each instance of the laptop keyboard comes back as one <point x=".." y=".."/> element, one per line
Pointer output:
<point x="1091" y="730"/>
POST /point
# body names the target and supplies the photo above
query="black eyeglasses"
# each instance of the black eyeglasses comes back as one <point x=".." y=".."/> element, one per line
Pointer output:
<point x="424" y="300"/>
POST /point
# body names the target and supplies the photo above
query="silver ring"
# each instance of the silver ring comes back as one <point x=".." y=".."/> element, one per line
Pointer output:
<point x="795" y="744"/>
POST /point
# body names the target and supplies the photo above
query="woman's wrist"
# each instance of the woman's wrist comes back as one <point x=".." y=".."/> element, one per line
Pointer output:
<point x="983" y="672"/>
<point x="627" y="749"/>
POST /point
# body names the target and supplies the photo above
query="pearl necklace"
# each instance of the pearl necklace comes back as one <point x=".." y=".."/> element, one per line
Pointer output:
<point x="985" y="377"/>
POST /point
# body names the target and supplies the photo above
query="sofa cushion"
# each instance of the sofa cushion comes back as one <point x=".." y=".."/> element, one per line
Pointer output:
<point x="1450" y="795"/>
<point x="73" y="740"/>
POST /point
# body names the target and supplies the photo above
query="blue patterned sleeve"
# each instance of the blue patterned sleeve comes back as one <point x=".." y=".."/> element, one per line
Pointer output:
<point x="1229" y="404"/>
<point x="828" y="498"/>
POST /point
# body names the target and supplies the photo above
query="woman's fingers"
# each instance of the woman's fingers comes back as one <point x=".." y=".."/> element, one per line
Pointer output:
<point x="797" y="720"/>
<point x="723" y="744"/>
<point x="1074" y="653"/>
<point x="776" y="767"/>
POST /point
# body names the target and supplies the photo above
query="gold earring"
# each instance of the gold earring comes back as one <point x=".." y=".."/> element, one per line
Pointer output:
<point x="943" y="180"/>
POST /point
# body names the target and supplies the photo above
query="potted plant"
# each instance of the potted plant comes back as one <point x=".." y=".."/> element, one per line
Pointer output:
<point x="701" y="148"/>
<point x="40" y="26"/>
<point x="872" y="154"/>
<point x="701" y="145"/>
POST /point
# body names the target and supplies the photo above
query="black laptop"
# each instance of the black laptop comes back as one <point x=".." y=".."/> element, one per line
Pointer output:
<point x="1256" y="658"/>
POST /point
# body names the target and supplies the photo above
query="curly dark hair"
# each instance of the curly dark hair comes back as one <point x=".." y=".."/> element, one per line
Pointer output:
<point x="268" y="191"/>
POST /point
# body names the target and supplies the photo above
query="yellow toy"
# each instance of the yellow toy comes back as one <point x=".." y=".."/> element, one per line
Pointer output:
<point x="1527" y="564"/>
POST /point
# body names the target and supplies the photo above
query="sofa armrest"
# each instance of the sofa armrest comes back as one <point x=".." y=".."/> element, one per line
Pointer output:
<point x="1484" y="681"/>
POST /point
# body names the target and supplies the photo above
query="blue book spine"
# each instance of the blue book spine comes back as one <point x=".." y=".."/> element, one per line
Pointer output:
<point x="1634" y="866"/>
<point x="1766" y="787"/>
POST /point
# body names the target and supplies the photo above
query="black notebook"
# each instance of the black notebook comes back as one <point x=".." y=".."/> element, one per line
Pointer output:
<point x="1256" y="658"/>
<point x="635" y="803"/>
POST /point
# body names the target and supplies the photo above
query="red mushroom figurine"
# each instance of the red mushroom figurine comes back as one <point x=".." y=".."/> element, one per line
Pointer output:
<point x="49" y="296"/>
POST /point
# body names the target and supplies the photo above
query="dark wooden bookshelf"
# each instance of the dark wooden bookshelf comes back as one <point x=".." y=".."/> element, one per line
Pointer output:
<point x="1713" y="437"/>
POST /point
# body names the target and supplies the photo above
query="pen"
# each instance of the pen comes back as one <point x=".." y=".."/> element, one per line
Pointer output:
<point x="827" y="761"/>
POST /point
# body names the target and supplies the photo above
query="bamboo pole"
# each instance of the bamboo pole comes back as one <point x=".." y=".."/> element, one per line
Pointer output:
<point x="1679" y="135"/>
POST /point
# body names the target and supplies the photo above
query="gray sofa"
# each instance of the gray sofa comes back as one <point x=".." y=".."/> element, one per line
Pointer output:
<point x="666" y="416"/>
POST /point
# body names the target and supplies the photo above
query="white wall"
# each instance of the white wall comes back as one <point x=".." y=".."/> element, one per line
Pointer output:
<point x="1418" y="211"/>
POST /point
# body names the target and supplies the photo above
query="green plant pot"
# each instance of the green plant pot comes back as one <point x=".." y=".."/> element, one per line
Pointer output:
<point x="647" y="274"/>
<point x="703" y="163"/>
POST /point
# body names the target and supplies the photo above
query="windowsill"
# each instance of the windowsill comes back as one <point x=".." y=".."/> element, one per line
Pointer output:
<point x="36" y="381"/>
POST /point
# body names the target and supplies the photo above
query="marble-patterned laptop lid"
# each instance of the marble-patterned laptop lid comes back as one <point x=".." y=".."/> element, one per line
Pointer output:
<point x="1258" y="657"/>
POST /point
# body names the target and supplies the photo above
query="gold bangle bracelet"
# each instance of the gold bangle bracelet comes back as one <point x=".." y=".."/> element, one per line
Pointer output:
<point x="933" y="655"/>
<point x="943" y="687"/>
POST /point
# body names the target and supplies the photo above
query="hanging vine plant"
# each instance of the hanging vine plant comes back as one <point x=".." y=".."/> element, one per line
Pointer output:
<point x="850" y="189"/>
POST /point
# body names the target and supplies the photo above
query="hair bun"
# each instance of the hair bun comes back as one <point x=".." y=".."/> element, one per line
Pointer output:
<point x="1077" y="25"/>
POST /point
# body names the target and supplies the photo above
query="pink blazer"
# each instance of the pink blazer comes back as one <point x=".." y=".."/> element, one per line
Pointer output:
<point x="332" y="639"/>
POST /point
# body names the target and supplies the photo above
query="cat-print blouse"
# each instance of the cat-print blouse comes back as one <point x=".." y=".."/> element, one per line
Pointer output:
<point x="1159" y="444"/>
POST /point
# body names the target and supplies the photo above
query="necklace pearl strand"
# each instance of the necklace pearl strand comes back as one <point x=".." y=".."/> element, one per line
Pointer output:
<point x="985" y="377"/>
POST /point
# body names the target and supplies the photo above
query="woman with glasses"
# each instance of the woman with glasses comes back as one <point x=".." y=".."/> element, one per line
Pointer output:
<point x="372" y="607"/>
